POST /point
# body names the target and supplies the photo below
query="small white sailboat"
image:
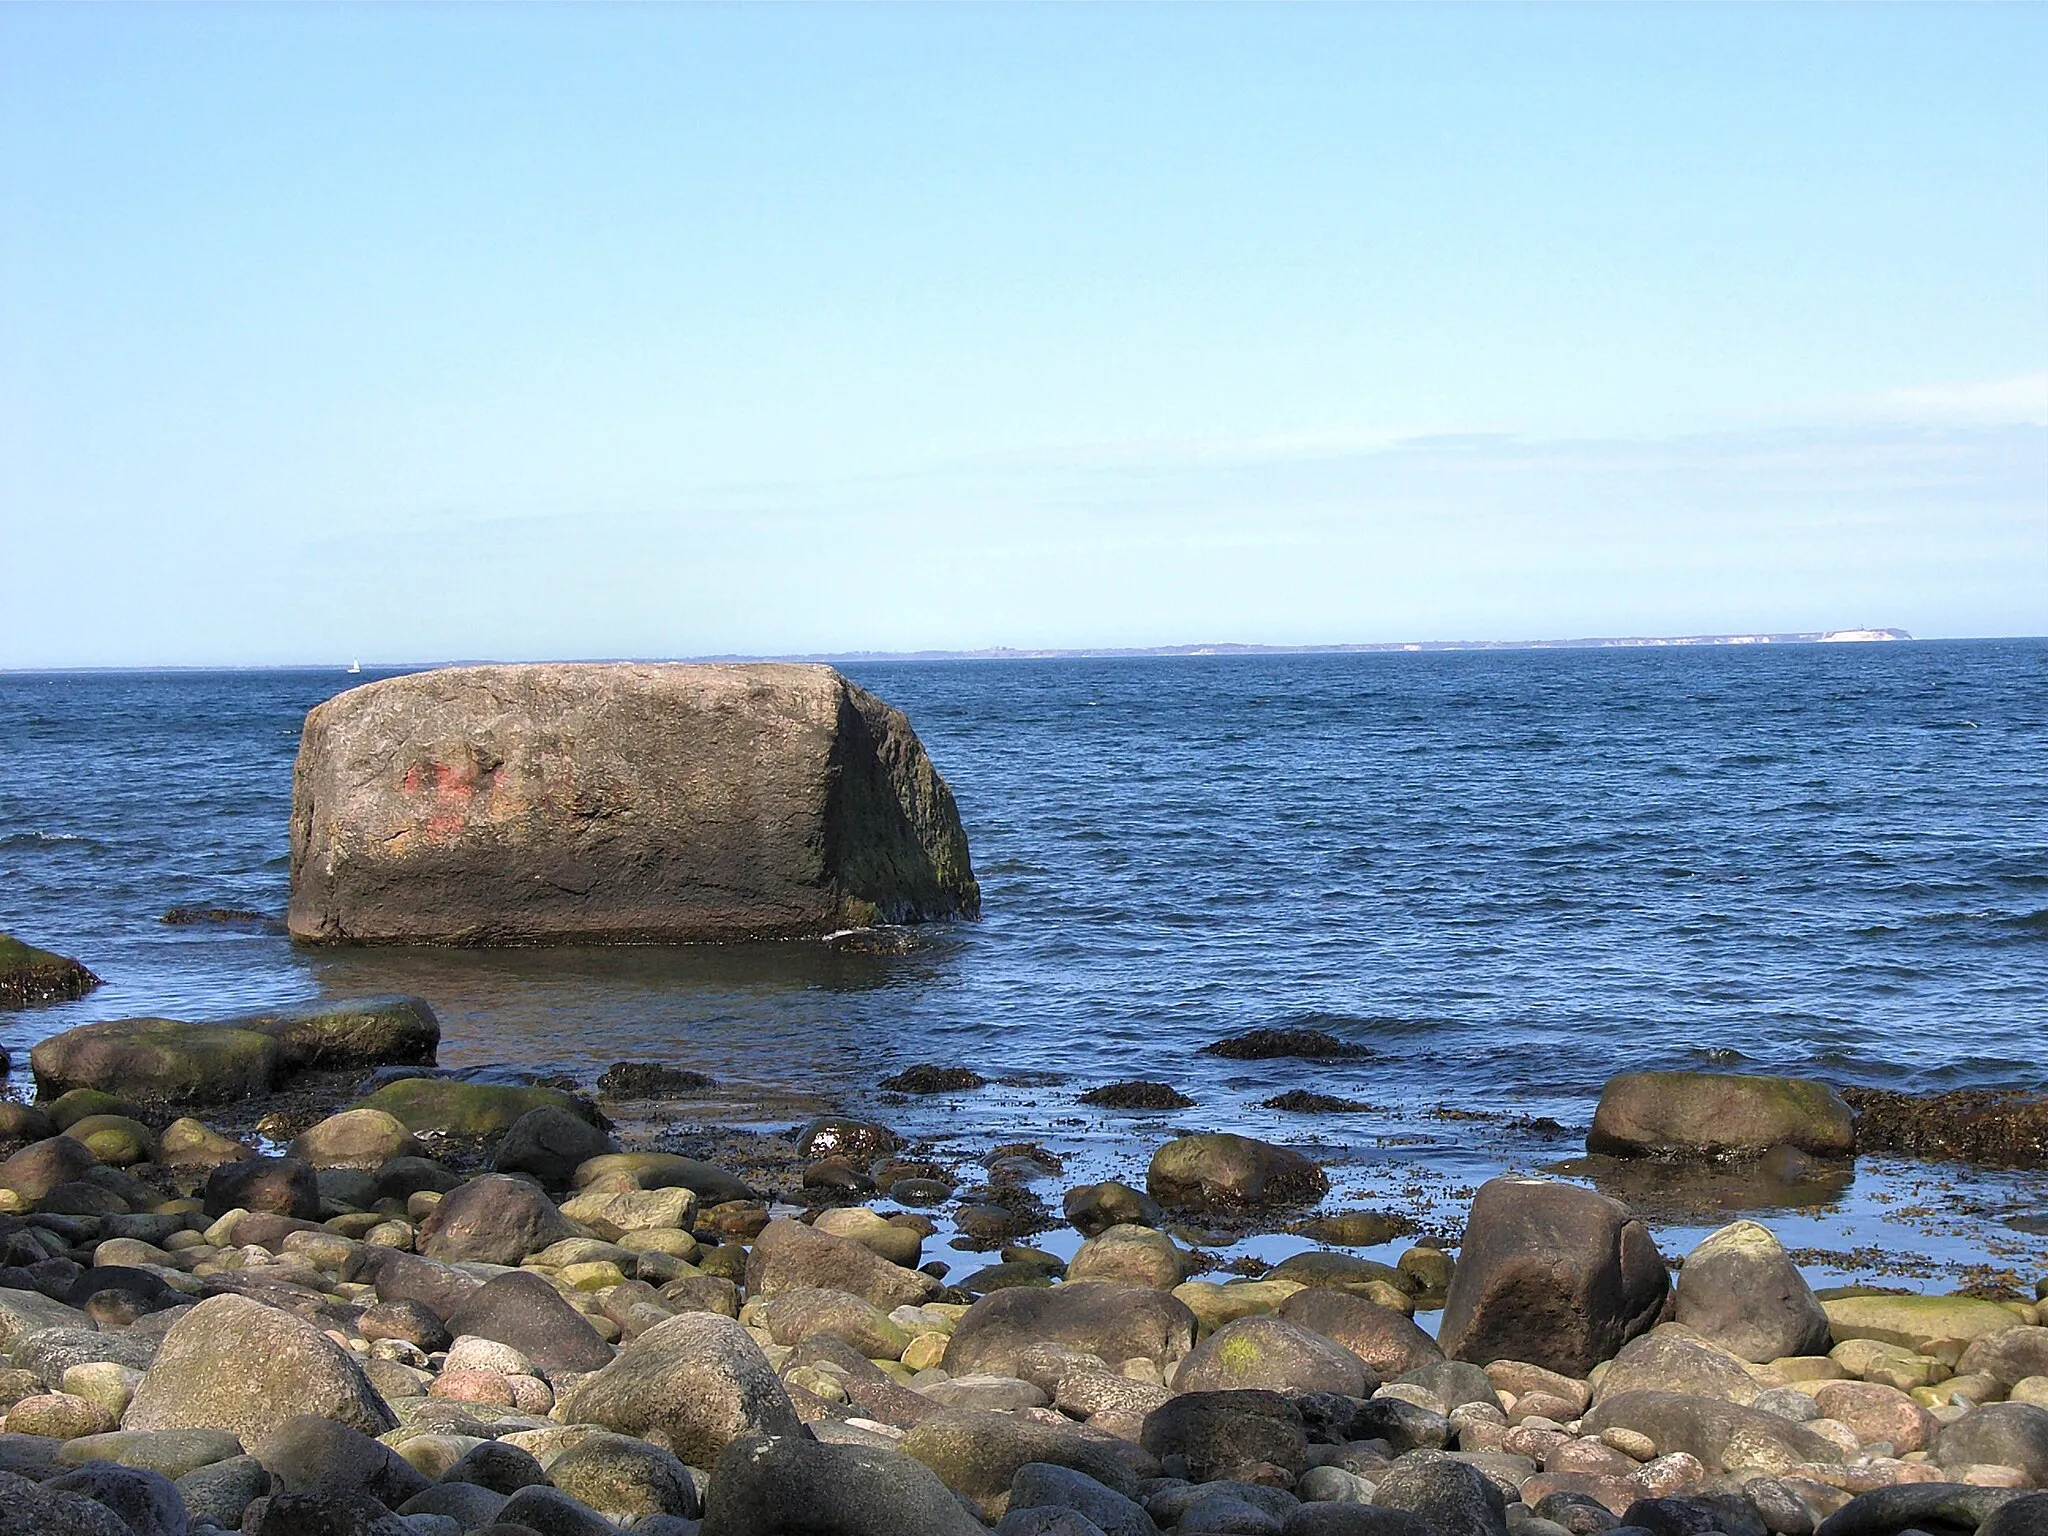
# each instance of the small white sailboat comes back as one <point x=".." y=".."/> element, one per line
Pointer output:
<point x="354" y="667"/>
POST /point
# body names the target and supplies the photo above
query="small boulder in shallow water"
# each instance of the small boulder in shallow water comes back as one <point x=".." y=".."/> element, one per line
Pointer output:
<point x="1705" y="1114"/>
<point x="1274" y="1044"/>
<point x="1224" y="1172"/>
<point x="29" y="975"/>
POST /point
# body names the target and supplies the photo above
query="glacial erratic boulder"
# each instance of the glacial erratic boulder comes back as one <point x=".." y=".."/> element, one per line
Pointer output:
<point x="607" y="803"/>
<point x="1708" y="1114"/>
<point x="1553" y="1275"/>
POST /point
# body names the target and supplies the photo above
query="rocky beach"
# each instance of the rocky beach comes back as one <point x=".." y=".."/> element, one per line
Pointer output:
<point x="284" y="1275"/>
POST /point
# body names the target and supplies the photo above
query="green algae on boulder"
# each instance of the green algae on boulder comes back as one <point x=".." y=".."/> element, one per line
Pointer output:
<point x="29" y="975"/>
<point x="157" y="1061"/>
<point x="351" y="1032"/>
<point x="1708" y="1114"/>
<point x="451" y="1107"/>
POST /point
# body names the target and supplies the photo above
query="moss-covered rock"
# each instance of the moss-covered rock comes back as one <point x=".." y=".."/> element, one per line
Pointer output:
<point x="115" y="1140"/>
<point x="29" y="975"/>
<point x="451" y="1107"/>
<point x="157" y="1061"/>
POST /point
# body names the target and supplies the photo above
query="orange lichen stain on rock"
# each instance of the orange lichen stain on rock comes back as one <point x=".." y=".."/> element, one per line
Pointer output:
<point x="450" y="790"/>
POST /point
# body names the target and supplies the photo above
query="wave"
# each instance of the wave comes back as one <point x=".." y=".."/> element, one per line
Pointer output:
<point x="14" y="840"/>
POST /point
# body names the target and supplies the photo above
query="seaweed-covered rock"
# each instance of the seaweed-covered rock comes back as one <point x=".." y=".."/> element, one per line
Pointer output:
<point x="29" y="975"/>
<point x="351" y="1032"/>
<point x="1225" y="1172"/>
<point x="452" y="1107"/>
<point x="1704" y="1114"/>
<point x="575" y="802"/>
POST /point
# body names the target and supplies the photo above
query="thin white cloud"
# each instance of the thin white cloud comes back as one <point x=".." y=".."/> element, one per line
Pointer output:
<point x="2021" y="399"/>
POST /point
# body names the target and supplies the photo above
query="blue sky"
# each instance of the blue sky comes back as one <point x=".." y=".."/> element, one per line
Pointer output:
<point x="452" y="332"/>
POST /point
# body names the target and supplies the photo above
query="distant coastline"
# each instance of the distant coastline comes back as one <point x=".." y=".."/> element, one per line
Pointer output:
<point x="1232" y="648"/>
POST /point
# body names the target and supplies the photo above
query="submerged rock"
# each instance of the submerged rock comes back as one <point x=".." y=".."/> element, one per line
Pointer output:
<point x="1704" y="1114"/>
<point x="29" y="975"/>
<point x="572" y="802"/>
<point x="1274" y="1044"/>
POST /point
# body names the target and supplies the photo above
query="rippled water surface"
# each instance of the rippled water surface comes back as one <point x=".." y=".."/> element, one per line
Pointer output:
<point x="1507" y="875"/>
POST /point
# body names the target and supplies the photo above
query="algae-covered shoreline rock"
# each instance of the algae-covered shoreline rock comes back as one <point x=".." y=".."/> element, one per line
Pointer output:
<point x="29" y="975"/>
<point x="579" y="803"/>
<point x="164" y="1061"/>
<point x="1707" y="1114"/>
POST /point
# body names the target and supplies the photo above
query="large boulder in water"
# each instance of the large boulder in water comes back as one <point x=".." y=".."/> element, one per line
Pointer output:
<point x="1550" y="1274"/>
<point x="595" y="803"/>
<point x="1706" y="1114"/>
